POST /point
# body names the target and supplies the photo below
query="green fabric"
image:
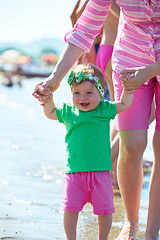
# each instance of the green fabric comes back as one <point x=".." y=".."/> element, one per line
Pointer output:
<point x="87" y="137"/>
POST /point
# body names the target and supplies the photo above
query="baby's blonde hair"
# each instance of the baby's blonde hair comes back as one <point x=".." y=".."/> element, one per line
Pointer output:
<point x="90" y="69"/>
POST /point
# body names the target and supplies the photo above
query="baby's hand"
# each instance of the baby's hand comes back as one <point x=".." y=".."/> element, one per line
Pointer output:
<point x="42" y="96"/>
<point x="46" y="87"/>
<point x="133" y="78"/>
<point x="126" y="80"/>
<point x="39" y="90"/>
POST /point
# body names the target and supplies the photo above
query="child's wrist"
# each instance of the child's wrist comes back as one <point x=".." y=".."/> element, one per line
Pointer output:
<point x="48" y="102"/>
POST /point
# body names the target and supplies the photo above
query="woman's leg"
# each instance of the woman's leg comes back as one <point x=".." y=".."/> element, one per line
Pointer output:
<point x="70" y="220"/>
<point x="105" y="223"/>
<point x="153" y="222"/>
<point x="130" y="177"/>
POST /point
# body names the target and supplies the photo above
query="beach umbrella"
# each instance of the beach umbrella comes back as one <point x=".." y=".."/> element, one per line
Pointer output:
<point x="10" y="56"/>
<point x="49" y="58"/>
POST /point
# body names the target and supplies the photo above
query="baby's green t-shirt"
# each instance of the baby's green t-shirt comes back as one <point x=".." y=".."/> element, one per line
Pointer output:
<point x="87" y="137"/>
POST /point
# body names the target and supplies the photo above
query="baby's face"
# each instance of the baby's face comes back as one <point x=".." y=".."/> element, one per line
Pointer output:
<point x="85" y="96"/>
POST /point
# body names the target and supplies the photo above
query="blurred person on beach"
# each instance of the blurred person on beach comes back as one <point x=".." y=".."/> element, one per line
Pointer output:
<point x="136" y="66"/>
<point x="87" y="57"/>
<point x="105" y="50"/>
<point x="88" y="163"/>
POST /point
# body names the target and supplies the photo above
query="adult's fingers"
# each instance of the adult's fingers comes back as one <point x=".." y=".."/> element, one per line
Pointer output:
<point x="43" y="88"/>
<point x="35" y="94"/>
<point x="128" y="70"/>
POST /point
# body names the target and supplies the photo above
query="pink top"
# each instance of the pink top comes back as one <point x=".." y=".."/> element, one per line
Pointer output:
<point x="138" y="44"/>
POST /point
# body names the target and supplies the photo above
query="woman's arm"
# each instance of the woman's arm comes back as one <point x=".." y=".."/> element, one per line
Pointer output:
<point x="81" y="37"/>
<point x="89" y="24"/>
<point x="81" y="7"/>
<point x="115" y="9"/>
<point x="76" y="13"/>
<point x="73" y="15"/>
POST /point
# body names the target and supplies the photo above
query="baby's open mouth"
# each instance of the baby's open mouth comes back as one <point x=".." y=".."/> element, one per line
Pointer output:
<point x="84" y="104"/>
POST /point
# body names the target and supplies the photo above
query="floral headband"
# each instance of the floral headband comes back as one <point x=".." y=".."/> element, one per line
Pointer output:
<point x="80" y="76"/>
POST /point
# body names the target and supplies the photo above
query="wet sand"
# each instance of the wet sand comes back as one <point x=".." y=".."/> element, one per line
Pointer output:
<point x="38" y="219"/>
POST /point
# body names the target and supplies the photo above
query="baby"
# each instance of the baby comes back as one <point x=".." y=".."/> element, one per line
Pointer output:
<point x="88" y="158"/>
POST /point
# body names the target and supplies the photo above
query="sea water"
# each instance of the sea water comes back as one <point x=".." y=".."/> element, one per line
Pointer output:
<point x="32" y="154"/>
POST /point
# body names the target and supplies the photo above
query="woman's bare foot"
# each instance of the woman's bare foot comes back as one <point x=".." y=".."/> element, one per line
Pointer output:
<point x="128" y="231"/>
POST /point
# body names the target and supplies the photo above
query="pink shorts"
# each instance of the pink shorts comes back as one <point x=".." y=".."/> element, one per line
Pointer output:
<point x="103" y="55"/>
<point x="94" y="187"/>
<point x="137" y="116"/>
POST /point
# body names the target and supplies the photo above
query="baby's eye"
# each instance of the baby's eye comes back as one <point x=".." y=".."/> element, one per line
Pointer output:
<point x="89" y="92"/>
<point x="76" y="93"/>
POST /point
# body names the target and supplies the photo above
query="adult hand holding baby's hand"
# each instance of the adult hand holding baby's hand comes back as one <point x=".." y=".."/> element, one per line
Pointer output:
<point x="133" y="78"/>
<point x="45" y="88"/>
<point x="42" y="94"/>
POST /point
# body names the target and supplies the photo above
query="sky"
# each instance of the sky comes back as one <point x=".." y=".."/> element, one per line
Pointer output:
<point x="29" y="20"/>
